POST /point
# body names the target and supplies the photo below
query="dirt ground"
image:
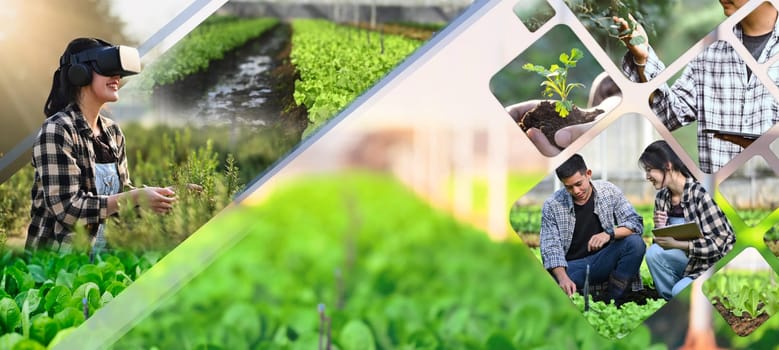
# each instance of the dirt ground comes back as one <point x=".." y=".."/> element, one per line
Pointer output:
<point x="743" y="325"/>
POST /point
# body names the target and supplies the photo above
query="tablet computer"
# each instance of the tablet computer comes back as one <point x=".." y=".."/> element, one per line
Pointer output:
<point x="750" y="137"/>
<point x="683" y="232"/>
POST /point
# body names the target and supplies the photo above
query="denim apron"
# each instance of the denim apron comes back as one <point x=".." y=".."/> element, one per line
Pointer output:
<point x="107" y="183"/>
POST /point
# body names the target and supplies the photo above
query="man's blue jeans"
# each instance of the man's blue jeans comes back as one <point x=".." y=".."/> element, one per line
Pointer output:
<point x="667" y="269"/>
<point x="621" y="258"/>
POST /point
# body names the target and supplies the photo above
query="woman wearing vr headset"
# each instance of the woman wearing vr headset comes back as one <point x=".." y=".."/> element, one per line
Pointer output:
<point x="80" y="164"/>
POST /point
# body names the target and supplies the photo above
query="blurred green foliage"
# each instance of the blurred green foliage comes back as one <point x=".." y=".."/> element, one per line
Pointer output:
<point x="391" y="272"/>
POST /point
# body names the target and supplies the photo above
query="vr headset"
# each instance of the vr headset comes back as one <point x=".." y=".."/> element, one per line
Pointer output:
<point x="106" y="61"/>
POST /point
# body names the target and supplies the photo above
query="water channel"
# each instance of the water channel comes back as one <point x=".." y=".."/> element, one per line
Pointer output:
<point x="243" y="92"/>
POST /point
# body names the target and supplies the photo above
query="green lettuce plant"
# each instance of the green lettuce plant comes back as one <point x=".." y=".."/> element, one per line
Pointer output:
<point x="556" y="82"/>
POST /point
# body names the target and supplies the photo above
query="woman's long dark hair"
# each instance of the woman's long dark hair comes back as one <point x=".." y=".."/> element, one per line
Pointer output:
<point x="658" y="154"/>
<point x="62" y="91"/>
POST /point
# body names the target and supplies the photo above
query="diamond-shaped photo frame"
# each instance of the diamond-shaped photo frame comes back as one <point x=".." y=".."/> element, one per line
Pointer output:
<point x="567" y="78"/>
<point x="657" y="20"/>
<point x="750" y="192"/>
<point x="545" y="220"/>
<point x="534" y="13"/>
<point x="723" y="91"/>
<point x="745" y="292"/>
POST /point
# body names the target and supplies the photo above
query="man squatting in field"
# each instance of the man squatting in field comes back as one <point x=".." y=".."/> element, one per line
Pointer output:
<point x="717" y="88"/>
<point x="591" y="223"/>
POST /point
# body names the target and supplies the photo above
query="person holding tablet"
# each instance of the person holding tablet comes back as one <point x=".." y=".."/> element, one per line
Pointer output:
<point x="717" y="89"/>
<point x="681" y="198"/>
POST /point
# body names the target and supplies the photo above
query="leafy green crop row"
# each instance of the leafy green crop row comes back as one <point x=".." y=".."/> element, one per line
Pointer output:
<point x="613" y="322"/>
<point x="745" y="293"/>
<point x="208" y="42"/>
<point x="43" y="294"/>
<point x="391" y="272"/>
<point x="752" y="217"/>
<point x="338" y="63"/>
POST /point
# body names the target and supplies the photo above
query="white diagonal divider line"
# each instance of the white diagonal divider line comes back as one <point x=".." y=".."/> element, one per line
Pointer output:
<point x="182" y="24"/>
<point x="15" y="153"/>
<point x="185" y="262"/>
<point x="157" y="284"/>
<point x="115" y="319"/>
<point x="405" y="68"/>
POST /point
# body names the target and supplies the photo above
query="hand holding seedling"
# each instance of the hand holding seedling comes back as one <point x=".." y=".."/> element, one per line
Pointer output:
<point x="634" y="37"/>
<point x="563" y="137"/>
<point x="191" y="187"/>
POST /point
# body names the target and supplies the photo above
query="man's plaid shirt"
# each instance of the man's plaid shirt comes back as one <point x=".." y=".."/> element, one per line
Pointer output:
<point x="718" y="237"/>
<point x="558" y="219"/>
<point x="715" y="90"/>
<point x="64" y="192"/>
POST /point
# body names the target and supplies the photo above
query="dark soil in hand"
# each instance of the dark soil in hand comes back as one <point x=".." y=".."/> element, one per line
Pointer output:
<point x="545" y="118"/>
<point x="742" y="325"/>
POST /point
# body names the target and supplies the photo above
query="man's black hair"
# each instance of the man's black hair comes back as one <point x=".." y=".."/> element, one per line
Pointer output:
<point x="573" y="165"/>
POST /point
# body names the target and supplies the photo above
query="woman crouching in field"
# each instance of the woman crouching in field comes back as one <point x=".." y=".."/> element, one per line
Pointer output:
<point x="680" y="199"/>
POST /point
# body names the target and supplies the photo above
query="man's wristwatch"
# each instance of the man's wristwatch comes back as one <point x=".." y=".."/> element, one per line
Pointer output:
<point x="611" y="235"/>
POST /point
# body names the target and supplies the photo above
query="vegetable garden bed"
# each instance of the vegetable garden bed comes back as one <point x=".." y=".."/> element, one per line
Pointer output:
<point x="385" y="282"/>
<point x="44" y="296"/>
<point x="745" y="299"/>
<point x="338" y="63"/>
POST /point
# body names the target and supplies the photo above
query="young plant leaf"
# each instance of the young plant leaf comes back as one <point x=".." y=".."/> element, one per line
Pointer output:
<point x="56" y="299"/>
<point x="44" y="329"/>
<point x="556" y="80"/>
<point x="356" y="335"/>
<point x="637" y="40"/>
<point x="10" y="315"/>
<point x="69" y="317"/>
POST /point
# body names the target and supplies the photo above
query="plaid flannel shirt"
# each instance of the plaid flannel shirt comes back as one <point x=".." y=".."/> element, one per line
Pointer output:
<point x="714" y="89"/>
<point x="558" y="219"/>
<point x="718" y="237"/>
<point x="64" y="193"/>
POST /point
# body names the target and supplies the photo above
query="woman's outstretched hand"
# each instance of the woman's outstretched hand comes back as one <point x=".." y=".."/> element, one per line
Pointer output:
<point x="158" y="199"/>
